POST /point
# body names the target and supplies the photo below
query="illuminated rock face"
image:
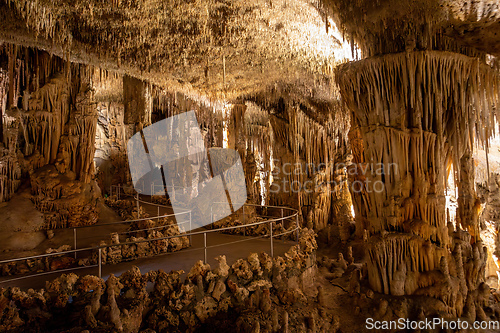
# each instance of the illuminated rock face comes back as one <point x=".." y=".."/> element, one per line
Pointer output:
<point x="416" y="114"/>
<point x="49" y="137"/>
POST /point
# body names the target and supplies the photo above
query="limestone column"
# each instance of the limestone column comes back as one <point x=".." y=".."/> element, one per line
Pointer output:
<point x="467" y="214"/>
<point x="138" y="103"/>
<point x="415" y="110"/>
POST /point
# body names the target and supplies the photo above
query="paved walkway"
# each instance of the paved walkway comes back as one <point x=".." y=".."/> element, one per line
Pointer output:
<point x="232" y="246"/>
<point x="183" y="259"/>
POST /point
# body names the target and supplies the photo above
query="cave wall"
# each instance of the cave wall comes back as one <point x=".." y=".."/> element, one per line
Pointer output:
<point x="50" y="122"/>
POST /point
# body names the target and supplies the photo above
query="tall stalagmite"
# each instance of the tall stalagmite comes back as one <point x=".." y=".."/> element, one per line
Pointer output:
<point x="417" y="111"/>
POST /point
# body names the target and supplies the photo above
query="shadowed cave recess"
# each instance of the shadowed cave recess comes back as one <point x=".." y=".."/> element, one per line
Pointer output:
<point x="375" y="123"/>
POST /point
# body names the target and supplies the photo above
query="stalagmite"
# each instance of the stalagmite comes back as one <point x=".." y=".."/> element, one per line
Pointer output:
<point x="415" y="112"/>
<point x="51" y="138"/>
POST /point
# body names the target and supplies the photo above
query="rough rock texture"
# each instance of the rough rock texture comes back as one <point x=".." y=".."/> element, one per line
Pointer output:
<point x="402" y="103"/>
<point x="298" y="146"/>
<point x="65" y="202"/>
<point x="72" y="115"/>
<point x="223" y="48"/>
<point x="174" y="304"/>
<point x="145" y="232"/>
<point x="391" y="26"/>
<point x="50" y="122"/>
<point x="10" y="170"/>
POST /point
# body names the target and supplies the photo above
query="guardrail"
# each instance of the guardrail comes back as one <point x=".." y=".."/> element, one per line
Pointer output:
<point x="117" y="190"/>
<point x="293" y="217"/>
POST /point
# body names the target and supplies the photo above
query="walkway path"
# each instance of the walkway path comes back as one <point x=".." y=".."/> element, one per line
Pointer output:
<point x="183" y="259"/>
<point x="232" y="246"/>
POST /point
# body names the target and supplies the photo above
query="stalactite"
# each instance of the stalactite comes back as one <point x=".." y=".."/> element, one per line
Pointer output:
<point x="51" y="138"/>
<point x="416" y="112"/>
<point x="304" y="151"/>
<point x="44" y="121"/>
<point x="10" y="170"/>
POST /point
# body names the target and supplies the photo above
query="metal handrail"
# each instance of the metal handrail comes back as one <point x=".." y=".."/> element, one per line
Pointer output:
<point x="129" y="221"/>
<point x="190" y="234"/>
<point x="75" y="239"/>
<point x="152" y="228"/>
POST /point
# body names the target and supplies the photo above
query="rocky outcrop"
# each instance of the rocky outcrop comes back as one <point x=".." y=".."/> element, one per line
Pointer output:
<point x="65" y="201"/>
<point x="256" y="284"/>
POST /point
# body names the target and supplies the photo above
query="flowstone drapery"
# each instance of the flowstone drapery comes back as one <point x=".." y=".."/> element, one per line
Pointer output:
<point x="49" y="134"/>
<point x="418" y="112"/>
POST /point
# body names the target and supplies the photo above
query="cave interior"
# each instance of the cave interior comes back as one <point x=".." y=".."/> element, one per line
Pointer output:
<point x="366" y="140"/>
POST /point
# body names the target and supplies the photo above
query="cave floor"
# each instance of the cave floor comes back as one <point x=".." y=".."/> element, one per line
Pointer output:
<point x="232" y="246"/>
<point x="183" y="259"/>
<point x="20" y="225"/>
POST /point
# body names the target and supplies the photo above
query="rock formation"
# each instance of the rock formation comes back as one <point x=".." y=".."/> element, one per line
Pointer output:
<point x="176" y="302"/>
<point x="417" y="112"/>
<point x="367" y="151"/>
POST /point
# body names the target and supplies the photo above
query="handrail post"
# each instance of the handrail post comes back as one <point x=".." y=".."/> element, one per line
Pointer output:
<point x="244" y="228"/>
<point x="297" y="225"/>
<point x="271" y="233"/>
<point x="205" y="245"/>
<point x="137" y="198"/>
<point x="158" y="209"/>
<point x="74" y="240"/>
<point x="118" y="191"/>
<point x="282" y="226"/>
<point x="100" y="263"/>
<point x="190" y="230"/>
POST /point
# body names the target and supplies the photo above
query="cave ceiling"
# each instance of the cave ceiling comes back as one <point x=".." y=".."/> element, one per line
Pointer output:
<point x="222" y="49"/>
<point x="231" y="48"/>
<point x="388" y="26"/>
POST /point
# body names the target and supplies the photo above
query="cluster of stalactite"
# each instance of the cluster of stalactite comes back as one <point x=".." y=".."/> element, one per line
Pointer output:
<point x="50" y="124"/>
<point x="63" y="107"/>
<point x="111" y="135"/>
<point x="16" y="81"/>
<point x="416" y="114"/>
<point x="223" y="48"/>
<point x="10" y="175"/>
<point x="10" y="171"/>
<point x="276" y="149"/>
<point x="300" y="150"/>
<point x="386" y="26"/>
<point x="128" y="105"/>
<point x="48" y="112"/>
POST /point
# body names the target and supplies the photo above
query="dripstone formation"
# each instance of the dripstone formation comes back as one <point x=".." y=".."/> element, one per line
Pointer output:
<point x="374" y="121"/>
